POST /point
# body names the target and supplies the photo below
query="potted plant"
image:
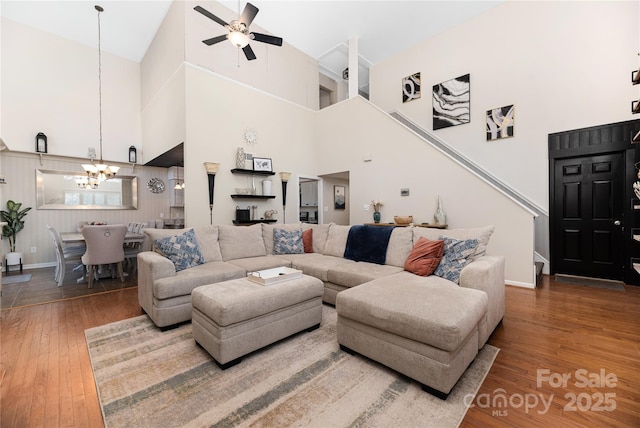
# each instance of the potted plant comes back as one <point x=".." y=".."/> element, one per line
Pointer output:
<point x="15" y="223"/>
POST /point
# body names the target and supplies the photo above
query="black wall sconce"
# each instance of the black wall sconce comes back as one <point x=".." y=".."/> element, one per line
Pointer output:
<point x="212" y="169"/>
<point x="133" y="155"/>
<point x="41" y="143"/>
<point x="284" y="177"/>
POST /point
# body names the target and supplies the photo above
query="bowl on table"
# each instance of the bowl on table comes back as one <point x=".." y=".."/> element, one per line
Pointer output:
<point x="403" y="219"/>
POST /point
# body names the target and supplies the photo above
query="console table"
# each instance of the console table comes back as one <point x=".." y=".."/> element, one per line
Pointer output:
<point x="433" y="226"/>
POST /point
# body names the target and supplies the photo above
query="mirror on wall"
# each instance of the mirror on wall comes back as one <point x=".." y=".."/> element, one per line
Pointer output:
<point x="59" y="190"/>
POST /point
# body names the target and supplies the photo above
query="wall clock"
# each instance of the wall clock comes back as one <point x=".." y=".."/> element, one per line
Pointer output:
<point x="250" y="136"/>
<point x="155" y="185"/>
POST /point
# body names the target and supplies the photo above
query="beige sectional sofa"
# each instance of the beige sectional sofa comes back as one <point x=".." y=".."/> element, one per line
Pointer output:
<point x="460" y="318"/>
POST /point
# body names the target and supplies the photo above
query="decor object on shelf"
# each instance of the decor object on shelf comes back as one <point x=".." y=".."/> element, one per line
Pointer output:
<point x="284" y="177"/>
<point x="41" y="143"/>
<point x="268" y="214"/>
<point x="238" y="31"/>
<point x="99" y="172"/>
<point x="500" y="123"/>
<point x="440" y="217"/>
<point x="411" y="87"/>
<point x="242" y="190"/>
<point x="262" y="164"/>
<point x="403" y="219"/>
<point x="13" y="216"/>
<point x="239" y="157"/>
<point x="376" y="204"/>
<point x="266" y="187"/>
<point x="451" y="102"/>
<point x="212" y="169"/>
<point x="243" y="215"/>
<point x="133" y="155"/>
<point x="155" y="185"/>
<point x="339" y="198"/>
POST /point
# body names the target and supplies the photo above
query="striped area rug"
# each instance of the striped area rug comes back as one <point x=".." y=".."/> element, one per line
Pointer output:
<point x="149" y="378"/>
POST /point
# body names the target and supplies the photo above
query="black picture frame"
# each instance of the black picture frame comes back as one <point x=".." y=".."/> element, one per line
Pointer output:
<point x="339" y="198"/>
<point x="262" y="164"/>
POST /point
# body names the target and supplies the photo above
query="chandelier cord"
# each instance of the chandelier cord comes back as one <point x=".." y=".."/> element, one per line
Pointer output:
<point x="99" y="9"/>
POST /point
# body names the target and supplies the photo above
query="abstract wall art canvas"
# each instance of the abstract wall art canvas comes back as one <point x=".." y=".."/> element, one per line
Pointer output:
<point x="500" y="122"/>
<point x="411" y="88"/>
<point x="451" y="102"/>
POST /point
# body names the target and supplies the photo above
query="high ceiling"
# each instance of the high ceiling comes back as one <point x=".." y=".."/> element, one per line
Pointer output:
<point x="321" y="29"/>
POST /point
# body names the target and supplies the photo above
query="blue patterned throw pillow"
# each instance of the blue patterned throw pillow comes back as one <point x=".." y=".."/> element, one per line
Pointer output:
<point x="455" y="258"/>
<point x="287" y="242"/>
<point x="182" y="250"/>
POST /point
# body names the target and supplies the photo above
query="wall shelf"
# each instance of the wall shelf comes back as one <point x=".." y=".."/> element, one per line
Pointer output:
<point x="250" y="222"/>
<point x="253" y="196"/>
<point x="251" y="172"/>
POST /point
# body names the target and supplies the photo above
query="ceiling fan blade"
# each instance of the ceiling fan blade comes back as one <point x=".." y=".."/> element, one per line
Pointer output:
<point x="248" y="52"/>
<point x="214" y="40"/>
<point x="248" y="14"/>
<point x="265" y="38"/>
<point x="210" y="15"/>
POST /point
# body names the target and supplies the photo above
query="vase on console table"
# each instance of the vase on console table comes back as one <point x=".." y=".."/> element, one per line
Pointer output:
<point x="376" y="216"/>
<point x="440" y="217"/>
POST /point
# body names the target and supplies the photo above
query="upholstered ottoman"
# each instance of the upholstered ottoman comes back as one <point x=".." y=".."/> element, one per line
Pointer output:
<point x="233" y="318"/>
<point x="424" y="328"/>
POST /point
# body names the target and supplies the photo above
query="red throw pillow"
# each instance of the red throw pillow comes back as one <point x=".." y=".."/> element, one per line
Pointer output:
<point x="425" y="257"/>
<point x="307" y="240"/>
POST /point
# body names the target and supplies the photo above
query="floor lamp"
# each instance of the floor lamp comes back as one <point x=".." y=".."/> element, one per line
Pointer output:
<point x="284" y="176"/>
<point x="211" y="168"/>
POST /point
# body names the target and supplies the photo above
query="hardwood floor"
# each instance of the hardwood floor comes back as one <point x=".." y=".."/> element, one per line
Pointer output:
<point x="46" y="377"/>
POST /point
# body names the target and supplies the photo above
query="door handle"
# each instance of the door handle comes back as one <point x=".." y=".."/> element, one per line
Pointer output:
<point x="617" y="222"/>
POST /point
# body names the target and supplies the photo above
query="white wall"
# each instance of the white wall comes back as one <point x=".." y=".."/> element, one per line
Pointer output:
<point x="218" y="111"/>
<point x="351" y="130"/>
<point x="50" y="85"/>
<point x="564" y="65"/>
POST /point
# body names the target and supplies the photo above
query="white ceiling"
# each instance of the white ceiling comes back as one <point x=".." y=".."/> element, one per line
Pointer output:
<point x="320" y="28"/>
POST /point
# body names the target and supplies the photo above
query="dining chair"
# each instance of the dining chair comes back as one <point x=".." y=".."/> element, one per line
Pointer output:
<point x="64" y="254"/>
<point x="105" y="246"/>
<point x="131" y="249"/>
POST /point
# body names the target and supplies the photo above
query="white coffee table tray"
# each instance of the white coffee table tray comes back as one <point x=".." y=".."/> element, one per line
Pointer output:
<point x="273" y="276"/>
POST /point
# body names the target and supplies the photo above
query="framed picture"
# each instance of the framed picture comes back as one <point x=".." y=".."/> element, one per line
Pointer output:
<point x="451" y="102"/>
<point x="500" y="122"/>
<point x="339" y="201"/>
<point x="635" y="77"/>
<point x="411" y="87"/>
<point x="262" y="164"/>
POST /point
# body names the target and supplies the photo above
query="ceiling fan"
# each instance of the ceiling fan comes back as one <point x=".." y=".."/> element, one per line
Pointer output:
<point x="239" y="33"/>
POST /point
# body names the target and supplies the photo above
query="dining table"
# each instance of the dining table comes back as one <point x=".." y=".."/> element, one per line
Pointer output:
<point x="77" y="238"/>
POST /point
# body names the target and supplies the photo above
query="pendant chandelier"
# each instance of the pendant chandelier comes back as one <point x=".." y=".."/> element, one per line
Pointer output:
<point x="98" y="172"/>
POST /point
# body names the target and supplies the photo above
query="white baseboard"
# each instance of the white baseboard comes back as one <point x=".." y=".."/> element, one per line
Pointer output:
<point x="520" y="284"/>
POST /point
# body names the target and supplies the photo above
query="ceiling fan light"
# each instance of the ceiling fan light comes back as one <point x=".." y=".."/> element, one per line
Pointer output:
<point x="238" y="39"/>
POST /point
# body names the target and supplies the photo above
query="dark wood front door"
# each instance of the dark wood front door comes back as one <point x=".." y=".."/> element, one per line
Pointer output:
<point x="588" y="220"/>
